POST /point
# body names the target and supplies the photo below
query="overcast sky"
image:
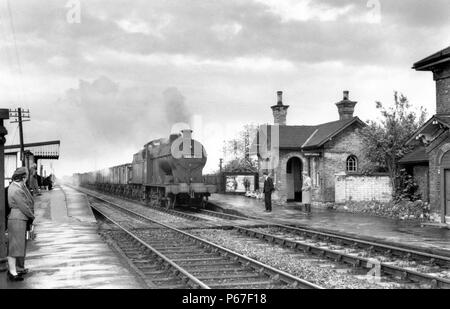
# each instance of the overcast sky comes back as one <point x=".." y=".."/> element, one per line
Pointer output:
<point x="128" y="70"/>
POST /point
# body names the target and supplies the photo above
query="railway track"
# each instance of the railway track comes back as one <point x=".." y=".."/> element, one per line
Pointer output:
<point x="406" y="264"/>
<point x="403" y="264"/>
<point x="416" y="267"/>
<point x="184" y="260"/>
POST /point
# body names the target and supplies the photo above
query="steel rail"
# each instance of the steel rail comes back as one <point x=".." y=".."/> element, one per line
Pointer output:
<point x="347" y="258"/>
<point x="371" y="245"/>
<point x="223" y="215"/>
<point x="353" y="242"/>
<point x="273" y="273"/>
<point x="178" y="270"/>
<point x="364" y="244"/>
<point x="340" y="240"/>
<point x="332" y="237"/>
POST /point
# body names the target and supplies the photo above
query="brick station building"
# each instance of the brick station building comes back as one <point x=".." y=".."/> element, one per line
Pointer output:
<point x="429" y="162"/>
<point x="323" y="150"/>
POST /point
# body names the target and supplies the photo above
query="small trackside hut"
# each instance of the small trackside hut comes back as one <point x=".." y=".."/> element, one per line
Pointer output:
<point x="322" y="150"/>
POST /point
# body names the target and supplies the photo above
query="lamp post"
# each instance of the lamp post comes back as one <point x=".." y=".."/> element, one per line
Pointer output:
<point x="4" y="114"/>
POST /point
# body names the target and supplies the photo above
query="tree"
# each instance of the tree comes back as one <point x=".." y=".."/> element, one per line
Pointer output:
<point x="238" y="150"/>
<point x="384" y="141"/>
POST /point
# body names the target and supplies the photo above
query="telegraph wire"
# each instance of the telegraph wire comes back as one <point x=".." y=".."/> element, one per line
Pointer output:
<point x="14" y="36"/>
<point x="18" y="64"/>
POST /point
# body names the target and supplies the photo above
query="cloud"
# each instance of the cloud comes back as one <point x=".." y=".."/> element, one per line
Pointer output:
<point x="112" y="114"/>
<point x="224" y="59"/>
<point x="101" y="122"/>
<point x="300" y="31"/>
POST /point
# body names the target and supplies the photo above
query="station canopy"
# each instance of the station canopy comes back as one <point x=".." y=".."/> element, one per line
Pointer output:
<point x="41" y="151"/>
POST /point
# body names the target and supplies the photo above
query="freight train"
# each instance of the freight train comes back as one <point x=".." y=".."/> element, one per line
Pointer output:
<point x="166" y="172"/>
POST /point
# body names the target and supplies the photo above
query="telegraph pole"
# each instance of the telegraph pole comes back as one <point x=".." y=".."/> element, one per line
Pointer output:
<point x="19" y="117"/>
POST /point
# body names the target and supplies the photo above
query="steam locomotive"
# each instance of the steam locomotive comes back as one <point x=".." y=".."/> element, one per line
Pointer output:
<point x="165" y="172"/>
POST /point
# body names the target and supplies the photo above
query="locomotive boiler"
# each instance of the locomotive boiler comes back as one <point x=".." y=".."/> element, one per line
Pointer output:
<point x="165" y="172"/>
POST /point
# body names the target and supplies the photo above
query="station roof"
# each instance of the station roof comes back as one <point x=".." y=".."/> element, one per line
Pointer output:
<point x="326" y="131"/>
<point x="312" y="137"/>
<point x="42" y="150"/>
<point x="436" y="59"/>
<point x="430" y="127"/>
<point x="418" y="155"/>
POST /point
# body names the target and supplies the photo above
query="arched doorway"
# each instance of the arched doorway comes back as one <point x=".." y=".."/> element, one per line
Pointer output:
<point x="294" y="180"/>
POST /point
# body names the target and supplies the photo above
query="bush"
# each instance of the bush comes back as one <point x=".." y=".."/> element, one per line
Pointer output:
<point x="403" y="209"/>
<point x="406" y="187"/>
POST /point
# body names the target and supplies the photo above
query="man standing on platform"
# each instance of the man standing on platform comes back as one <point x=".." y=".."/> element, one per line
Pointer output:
<point x="306" y="191"/>
<point x="268" y="189"/>
<point x="34" y="186"/>
<point x="20" y="218"/>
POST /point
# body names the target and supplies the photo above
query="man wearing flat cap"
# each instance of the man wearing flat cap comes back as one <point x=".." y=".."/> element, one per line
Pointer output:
<point x="21" y="216"/>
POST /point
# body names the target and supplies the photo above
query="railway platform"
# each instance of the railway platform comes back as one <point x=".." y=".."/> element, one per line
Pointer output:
<point x="385" y="230"/>
<point x="67" y="251"/>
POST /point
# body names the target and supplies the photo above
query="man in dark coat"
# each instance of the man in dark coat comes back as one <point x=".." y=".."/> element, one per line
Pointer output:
<point x="268" y="189"/>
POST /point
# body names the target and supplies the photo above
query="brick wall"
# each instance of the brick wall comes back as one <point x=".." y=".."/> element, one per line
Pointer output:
<point x="435" y="181"/>
<point x="435" y="156"/>
<point x="442" y="78"/>
<point x="362" y="188"/>
<point x="335" y="157"/>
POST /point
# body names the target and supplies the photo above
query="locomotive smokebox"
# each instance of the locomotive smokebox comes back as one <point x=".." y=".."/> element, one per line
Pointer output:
<point x="173" y="137"/>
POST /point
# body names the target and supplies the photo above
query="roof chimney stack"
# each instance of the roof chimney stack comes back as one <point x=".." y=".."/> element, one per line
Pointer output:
<point x="279" y="110"/>
<point x="439" y="64"/>
<point x="346" y="108"/>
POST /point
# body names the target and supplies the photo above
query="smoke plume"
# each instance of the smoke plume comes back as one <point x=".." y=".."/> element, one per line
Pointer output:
<point x="175" y="106"/>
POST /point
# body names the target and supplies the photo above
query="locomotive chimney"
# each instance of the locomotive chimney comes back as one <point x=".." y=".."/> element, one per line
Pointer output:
<point x="187" y="144"/>
<point x="187" y="134"/>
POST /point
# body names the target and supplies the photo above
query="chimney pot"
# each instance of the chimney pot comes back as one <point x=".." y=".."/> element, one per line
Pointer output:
<point x="279" y="110"/>
<point x="280" y="97"/>
<point x="346" y="95"/>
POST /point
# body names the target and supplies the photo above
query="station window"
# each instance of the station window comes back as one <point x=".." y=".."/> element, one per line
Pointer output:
<point x="352" y="164"/>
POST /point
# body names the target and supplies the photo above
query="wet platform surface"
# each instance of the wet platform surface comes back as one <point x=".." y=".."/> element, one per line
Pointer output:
<point x="67" y="251"/>
<point x="390" y="231"/>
